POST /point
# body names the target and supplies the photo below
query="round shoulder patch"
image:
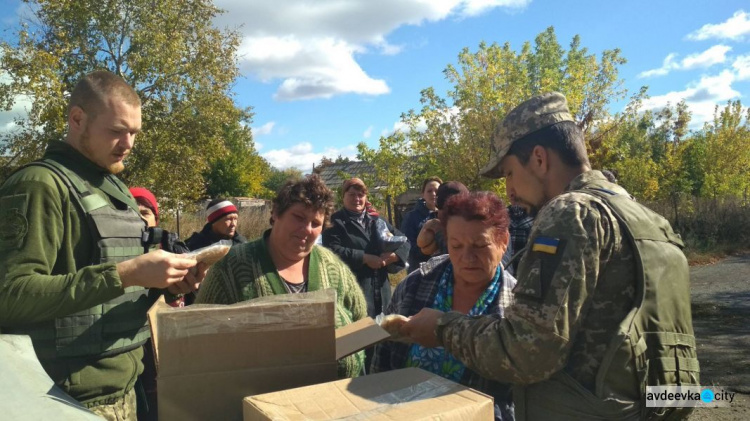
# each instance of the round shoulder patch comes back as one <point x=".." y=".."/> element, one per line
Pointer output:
<point x="13" y="227"/>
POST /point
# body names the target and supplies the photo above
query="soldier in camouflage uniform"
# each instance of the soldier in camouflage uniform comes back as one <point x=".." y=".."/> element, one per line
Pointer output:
<point x="73" y="271"/>
<point x="568" y="342"/>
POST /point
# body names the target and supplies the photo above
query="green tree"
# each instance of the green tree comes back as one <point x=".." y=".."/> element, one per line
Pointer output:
<point x="241" y="171"/>
<point x="391" y="163"/>
<point x="727" y="152"/>
<point x="278" y="177"/>
<point x="327" y="162"/>
<point x="646" y="149"/>
<point x="694" y="162"/>
<point x="625" y="148"/>
<point x="667" y="142"/>
<point x="180" y="64"/>
<point x="450" y="136"/>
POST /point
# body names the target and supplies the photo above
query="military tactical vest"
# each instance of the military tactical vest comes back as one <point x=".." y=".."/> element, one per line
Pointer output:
<point x="655" y="343"/>
<point x="118" y="325"/>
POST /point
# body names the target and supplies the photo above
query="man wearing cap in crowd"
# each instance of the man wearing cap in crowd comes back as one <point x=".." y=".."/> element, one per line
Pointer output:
<point x="221" y="224"/>
<point x="602" y="304"/>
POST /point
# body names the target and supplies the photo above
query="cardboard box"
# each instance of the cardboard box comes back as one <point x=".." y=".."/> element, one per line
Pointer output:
<point x="406" y="394"/>
<point x="209" y="357"/>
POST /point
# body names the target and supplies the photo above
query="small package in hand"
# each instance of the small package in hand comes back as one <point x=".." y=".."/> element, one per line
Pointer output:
<point x="392" y="323"/>
<point x="211" y="254"/>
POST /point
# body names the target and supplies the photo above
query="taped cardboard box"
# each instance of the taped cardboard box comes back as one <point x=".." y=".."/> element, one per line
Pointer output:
<point x="406" y="394"/>
<point x="209" y="357"/>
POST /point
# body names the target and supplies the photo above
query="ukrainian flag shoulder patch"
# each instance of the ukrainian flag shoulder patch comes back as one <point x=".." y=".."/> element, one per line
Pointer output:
<point x="545" y="245"/>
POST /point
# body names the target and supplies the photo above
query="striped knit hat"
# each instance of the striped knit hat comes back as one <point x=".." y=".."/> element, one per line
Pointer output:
<point x="218" y="208"/>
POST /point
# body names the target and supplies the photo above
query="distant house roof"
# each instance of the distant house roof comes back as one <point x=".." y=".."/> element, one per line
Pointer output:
<point x="331" y="174"/>
<point x="250" y="202"/>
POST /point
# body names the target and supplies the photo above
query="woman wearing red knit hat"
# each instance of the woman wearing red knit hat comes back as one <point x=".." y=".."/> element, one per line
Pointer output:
<point x="147" y="205"/>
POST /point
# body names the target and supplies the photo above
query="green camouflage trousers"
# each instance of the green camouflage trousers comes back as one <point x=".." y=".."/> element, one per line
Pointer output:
<point x="124" y="409"/>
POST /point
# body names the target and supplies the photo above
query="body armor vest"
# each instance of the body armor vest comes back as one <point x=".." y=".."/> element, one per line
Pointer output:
<point x="118" y="325"/>
<point x="654" y="345"/>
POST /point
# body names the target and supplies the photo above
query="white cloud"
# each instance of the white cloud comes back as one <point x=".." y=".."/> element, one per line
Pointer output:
<point x="476" y="7"/>
<point x="714" y="55"/>
<point x="701" y="97"/>
<point x="264" y="129"/>
<point x="302" y="156"/>
<point x="667" y="65"/>
<point x="389" y="49"/>
<point x="327" y="68"/>
<point x="741" y="65"/>
<point x="400" y="126"/>
<point x="21" y="105"/>
<point x="449" y="114"/>
<point x="311" y="46"/>
<point x="367" y="133"/>
<point x="734" y="28"/>
<point x="19" y="110"/>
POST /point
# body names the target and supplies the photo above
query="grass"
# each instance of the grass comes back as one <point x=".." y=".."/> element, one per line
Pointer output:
<point x="697" y="257"/>
<point x="710" y="228"/>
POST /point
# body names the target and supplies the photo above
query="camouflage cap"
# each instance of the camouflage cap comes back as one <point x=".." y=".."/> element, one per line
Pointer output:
<point x="531" y="115"/>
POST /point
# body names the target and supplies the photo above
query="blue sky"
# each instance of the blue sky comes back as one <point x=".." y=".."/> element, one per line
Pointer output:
<point x="324" y="75"/>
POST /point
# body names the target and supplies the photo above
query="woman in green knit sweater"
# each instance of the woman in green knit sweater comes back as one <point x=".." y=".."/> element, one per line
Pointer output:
<point x="285" y="260"/>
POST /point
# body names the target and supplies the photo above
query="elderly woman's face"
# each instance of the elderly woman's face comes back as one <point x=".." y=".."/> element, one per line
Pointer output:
<point x="295" y="231"/>
<point x="472" y="250"/>
<point x="355" y="200"/>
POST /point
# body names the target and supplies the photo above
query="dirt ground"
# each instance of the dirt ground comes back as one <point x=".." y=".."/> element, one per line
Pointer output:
<point x="721" y="318"/>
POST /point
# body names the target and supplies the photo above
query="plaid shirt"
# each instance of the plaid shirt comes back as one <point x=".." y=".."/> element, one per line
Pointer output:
<point x="418" y="291"/>
<point x="520" y="227"/>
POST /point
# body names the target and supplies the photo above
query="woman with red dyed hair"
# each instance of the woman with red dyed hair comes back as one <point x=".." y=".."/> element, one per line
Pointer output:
<point x="469" y="279"/>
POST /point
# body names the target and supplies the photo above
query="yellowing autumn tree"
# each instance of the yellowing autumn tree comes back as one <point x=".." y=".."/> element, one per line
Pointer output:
<point x="181" y="65"/>
<point x="727" y="152"/>
<point x="450" y="136"/>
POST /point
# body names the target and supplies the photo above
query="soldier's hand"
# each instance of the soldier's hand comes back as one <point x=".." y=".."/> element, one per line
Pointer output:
<point x="421" y="327"/>
<point x="191" y="282"/>
<point x="157" y="269"/>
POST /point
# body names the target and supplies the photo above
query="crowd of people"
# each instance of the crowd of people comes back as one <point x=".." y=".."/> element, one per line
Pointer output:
<point x="558" y="306"/>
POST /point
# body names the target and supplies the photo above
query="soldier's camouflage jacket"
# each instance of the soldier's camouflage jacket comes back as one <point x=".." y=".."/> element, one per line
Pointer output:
<point x="576" y="283"/>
